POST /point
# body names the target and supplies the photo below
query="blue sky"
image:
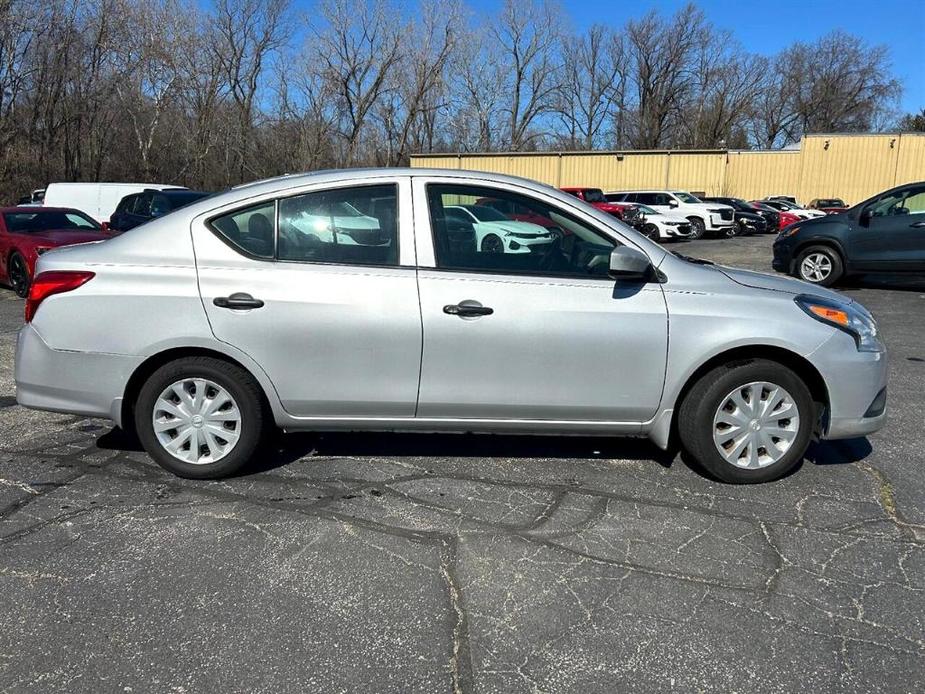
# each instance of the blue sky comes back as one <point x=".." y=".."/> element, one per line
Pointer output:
<point x="769" y="25"/>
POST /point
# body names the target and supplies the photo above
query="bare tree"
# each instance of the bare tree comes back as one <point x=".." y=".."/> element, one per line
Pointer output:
<point x="593" y="82"/>
<point x="527" y="31"/>
<point x="246" y="34"/>
<point x="419" y="81"/>
<point x="357" y="49"/>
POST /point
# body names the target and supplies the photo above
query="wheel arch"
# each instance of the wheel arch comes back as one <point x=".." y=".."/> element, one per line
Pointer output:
<point x="664" y="429"/>
<point x="153" y="362"/>
<point x="827" y="241"/>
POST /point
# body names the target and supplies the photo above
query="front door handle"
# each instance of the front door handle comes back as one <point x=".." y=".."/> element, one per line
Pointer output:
<point x="467" y="308"/>
<point x="239" y="301"/>
<point x="918" y="225"/>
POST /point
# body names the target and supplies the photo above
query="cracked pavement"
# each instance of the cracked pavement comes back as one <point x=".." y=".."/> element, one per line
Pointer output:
<point x="425" y="563"/>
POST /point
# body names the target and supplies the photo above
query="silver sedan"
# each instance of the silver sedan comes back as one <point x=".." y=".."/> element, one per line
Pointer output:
<point x="356" y="300"/>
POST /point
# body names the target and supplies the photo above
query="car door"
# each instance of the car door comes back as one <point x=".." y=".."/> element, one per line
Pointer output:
<point x="541" y="334"/>
<point x="892" y="237"/>
<point x="319" y="288"/>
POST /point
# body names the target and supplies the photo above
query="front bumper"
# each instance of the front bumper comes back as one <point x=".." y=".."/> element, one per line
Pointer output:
<point x="83" y="383"/>
<point x="856" y="382"/>
<point x="715" y="223"/>
<point x="783" y="257"/>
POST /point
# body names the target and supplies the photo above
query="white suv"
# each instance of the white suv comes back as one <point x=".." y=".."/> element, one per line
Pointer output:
<point x="705" y="217"/>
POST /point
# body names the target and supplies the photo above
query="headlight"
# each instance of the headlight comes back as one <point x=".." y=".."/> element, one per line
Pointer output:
<point x="852" y="318"/>
<point x="788" y="231"/>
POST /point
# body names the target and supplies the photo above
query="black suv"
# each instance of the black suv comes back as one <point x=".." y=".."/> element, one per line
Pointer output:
<point x="138" y="208"/>
<point x="883" y="234"/>
<point x="749" y="219"/>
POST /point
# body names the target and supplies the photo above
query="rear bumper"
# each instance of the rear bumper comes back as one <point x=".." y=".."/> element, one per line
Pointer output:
<point x="857" y="383"/>
<point x="82" y="383"/>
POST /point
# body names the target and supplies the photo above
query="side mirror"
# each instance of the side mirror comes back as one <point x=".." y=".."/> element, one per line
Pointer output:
<point x="672" y="203"/>
<point x="864" y="218"/>
<point x="629" y="265"/>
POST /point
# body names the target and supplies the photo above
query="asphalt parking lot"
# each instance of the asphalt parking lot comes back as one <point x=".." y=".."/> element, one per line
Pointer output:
<point x="423" y="563"/>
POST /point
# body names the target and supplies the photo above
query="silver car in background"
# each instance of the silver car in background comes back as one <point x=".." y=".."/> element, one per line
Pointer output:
<point x="266" y="306"/>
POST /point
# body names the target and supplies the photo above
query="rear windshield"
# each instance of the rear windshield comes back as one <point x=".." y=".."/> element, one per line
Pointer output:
<point x="594" y="195"/>
<point x="178" y="200"/>
<point x="59" y="220"/>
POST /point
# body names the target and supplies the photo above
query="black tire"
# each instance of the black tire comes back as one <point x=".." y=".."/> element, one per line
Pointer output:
<point x="700" y="405"/>
<point x="492" y="244"/>
<point x="698" y="229"/>
<point x="733" y="231"/>
<point x="834" y="258"/>
<point x="650" y="231"/>
<point x="18" y="274"/>
<point x="237" y="382"/>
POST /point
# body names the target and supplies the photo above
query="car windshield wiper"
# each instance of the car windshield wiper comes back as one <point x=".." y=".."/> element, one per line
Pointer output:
<point x="695" y="261"/>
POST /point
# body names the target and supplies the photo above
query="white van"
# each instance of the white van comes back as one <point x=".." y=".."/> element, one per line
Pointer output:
<point x="99" y="200"/>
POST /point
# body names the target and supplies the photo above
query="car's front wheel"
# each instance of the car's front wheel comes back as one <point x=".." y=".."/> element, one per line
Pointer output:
<point x="200" y="417"/>
<point x="697" y="227"/>
<point x="18" y="274"/>
<point x="748" y="421"/>
<point x="650" y="231"/>
<point x="492" y="244"/>
<point x="820" y="265"/>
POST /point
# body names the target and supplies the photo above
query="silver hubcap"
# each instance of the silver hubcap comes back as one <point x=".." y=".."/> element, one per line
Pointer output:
<point x="197" y="421"/>
<point x="755" y="425"/>
<point x="816" y="267"/>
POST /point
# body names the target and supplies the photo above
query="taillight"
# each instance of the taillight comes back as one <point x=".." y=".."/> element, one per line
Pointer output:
<point x="52" y="282"/>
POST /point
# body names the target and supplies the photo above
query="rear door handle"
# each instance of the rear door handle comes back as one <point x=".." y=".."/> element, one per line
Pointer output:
<point x="467" y="308"/>
<point x="239" y="301"/>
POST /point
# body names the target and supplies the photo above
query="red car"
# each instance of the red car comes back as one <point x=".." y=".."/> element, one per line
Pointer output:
<point x="27" y="232"/>
<point x="595" y="197"/>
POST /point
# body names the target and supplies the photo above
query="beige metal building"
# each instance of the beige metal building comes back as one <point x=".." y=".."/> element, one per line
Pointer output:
<point x="851" y="167"/>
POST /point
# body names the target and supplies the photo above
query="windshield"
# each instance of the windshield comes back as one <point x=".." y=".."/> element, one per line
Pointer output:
<point x="333" y="209"/>
<point x="686" y="197"/>
<point x="594" y="195"/>
<point x="834" y="202"/>
<point x="645" y="209"/>
<point x="486" y="214"/>
<point x="59" y="220"/>
<point x="178" y="200"/>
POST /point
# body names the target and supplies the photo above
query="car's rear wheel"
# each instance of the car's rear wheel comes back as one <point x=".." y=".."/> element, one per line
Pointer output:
<point x="820" y="265"/>
<point x="748" y="421"/>
<point x="697" y="227"/>
<point x="18" y="274"/>
<point x="200" y="417"/>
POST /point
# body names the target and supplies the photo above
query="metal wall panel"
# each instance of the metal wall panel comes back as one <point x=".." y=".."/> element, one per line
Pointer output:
<point x="754" y="175"/>
<point x="697" y="172"/>
<point x="910" y="164"/>
<point x="537" y="167"/>
<point x="615" y="171"/>
<point x="851" y="167"/>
